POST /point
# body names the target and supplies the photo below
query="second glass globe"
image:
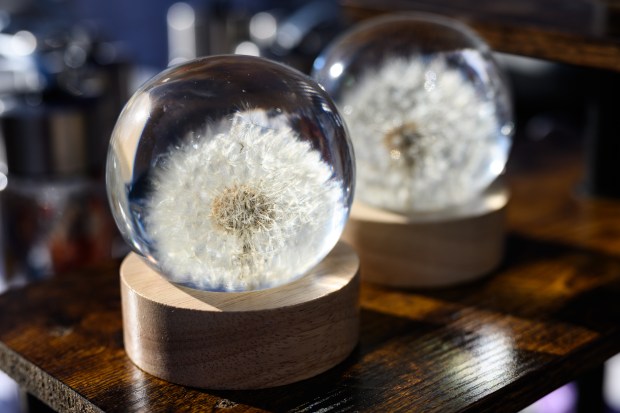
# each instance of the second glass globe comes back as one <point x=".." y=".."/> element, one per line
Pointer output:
<point x="428" y="110"/>
<point x="230" y="173"/>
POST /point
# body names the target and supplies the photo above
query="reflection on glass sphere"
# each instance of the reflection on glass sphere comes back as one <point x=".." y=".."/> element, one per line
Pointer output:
<point x="230" y="173"/>
<point x="428" y="111"/>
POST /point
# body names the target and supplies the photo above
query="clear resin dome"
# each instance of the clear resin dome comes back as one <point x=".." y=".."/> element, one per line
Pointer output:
<point x="427" y="108"/>
<point x="230" y="173"/>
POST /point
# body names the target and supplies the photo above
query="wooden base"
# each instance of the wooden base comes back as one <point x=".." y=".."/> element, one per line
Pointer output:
<point x="435" y="249"/>
<point x="245" y="340"/>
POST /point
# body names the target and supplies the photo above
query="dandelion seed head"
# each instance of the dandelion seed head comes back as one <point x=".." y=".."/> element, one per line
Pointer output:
<point x="404" y="144"/>
<point x="242" y="210"/>
<point x="254" y="213"/>
<point x="425" y="138"/>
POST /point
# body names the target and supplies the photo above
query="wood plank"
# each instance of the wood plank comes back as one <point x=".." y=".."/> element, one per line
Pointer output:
<point x="547" y="315"/>
<point x="582" y="33"/>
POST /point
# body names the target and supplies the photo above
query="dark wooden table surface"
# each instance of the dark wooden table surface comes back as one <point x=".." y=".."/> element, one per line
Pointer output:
<point x="580" y="32"/>
<point x="549" y="314"/>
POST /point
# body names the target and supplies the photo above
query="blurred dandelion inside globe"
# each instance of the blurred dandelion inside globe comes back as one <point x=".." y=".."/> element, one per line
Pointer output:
<point x="230" y="173"/>
<point x="427" y="108"/>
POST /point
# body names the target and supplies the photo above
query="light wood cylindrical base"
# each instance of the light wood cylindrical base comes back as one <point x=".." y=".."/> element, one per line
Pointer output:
<point x="436" y="249"/>
<point x="247" y="340"/>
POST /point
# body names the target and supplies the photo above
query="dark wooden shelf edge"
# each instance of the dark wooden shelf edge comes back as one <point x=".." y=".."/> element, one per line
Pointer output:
<point x="537" y="385"/>
<point x="46" y="388"/>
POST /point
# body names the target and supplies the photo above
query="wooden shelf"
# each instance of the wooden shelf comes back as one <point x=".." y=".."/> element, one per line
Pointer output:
<point x="549" y="314"/>
<point x="582" y="32"/>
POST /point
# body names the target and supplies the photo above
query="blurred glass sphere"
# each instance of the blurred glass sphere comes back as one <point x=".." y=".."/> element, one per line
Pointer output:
<point x="427" y="108"/>
<point x="230" y="173"/>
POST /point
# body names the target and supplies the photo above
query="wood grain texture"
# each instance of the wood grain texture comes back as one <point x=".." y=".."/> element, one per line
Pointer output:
<point x="548" y="314"/>
<point x="582" y="33"/>
<point x="430" y="249"/>
<point x="248" y="340"/>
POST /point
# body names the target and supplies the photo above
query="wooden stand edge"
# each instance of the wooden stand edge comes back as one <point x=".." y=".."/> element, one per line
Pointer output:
<point x="430" y="250"/>
<point x="246" y="340"/>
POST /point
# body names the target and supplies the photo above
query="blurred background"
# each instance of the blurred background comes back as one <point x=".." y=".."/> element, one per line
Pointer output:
<point x="68" y="66"/>
<point x="66" y="70"/>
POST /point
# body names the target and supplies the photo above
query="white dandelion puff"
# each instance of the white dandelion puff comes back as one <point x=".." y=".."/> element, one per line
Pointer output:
<point x="424" y="137"/>
<point x="249" y="207"/>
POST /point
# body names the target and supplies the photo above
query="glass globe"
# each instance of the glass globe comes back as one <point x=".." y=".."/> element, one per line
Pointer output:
<point x="427" y="108"/>
<point x="230" y="173"/>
